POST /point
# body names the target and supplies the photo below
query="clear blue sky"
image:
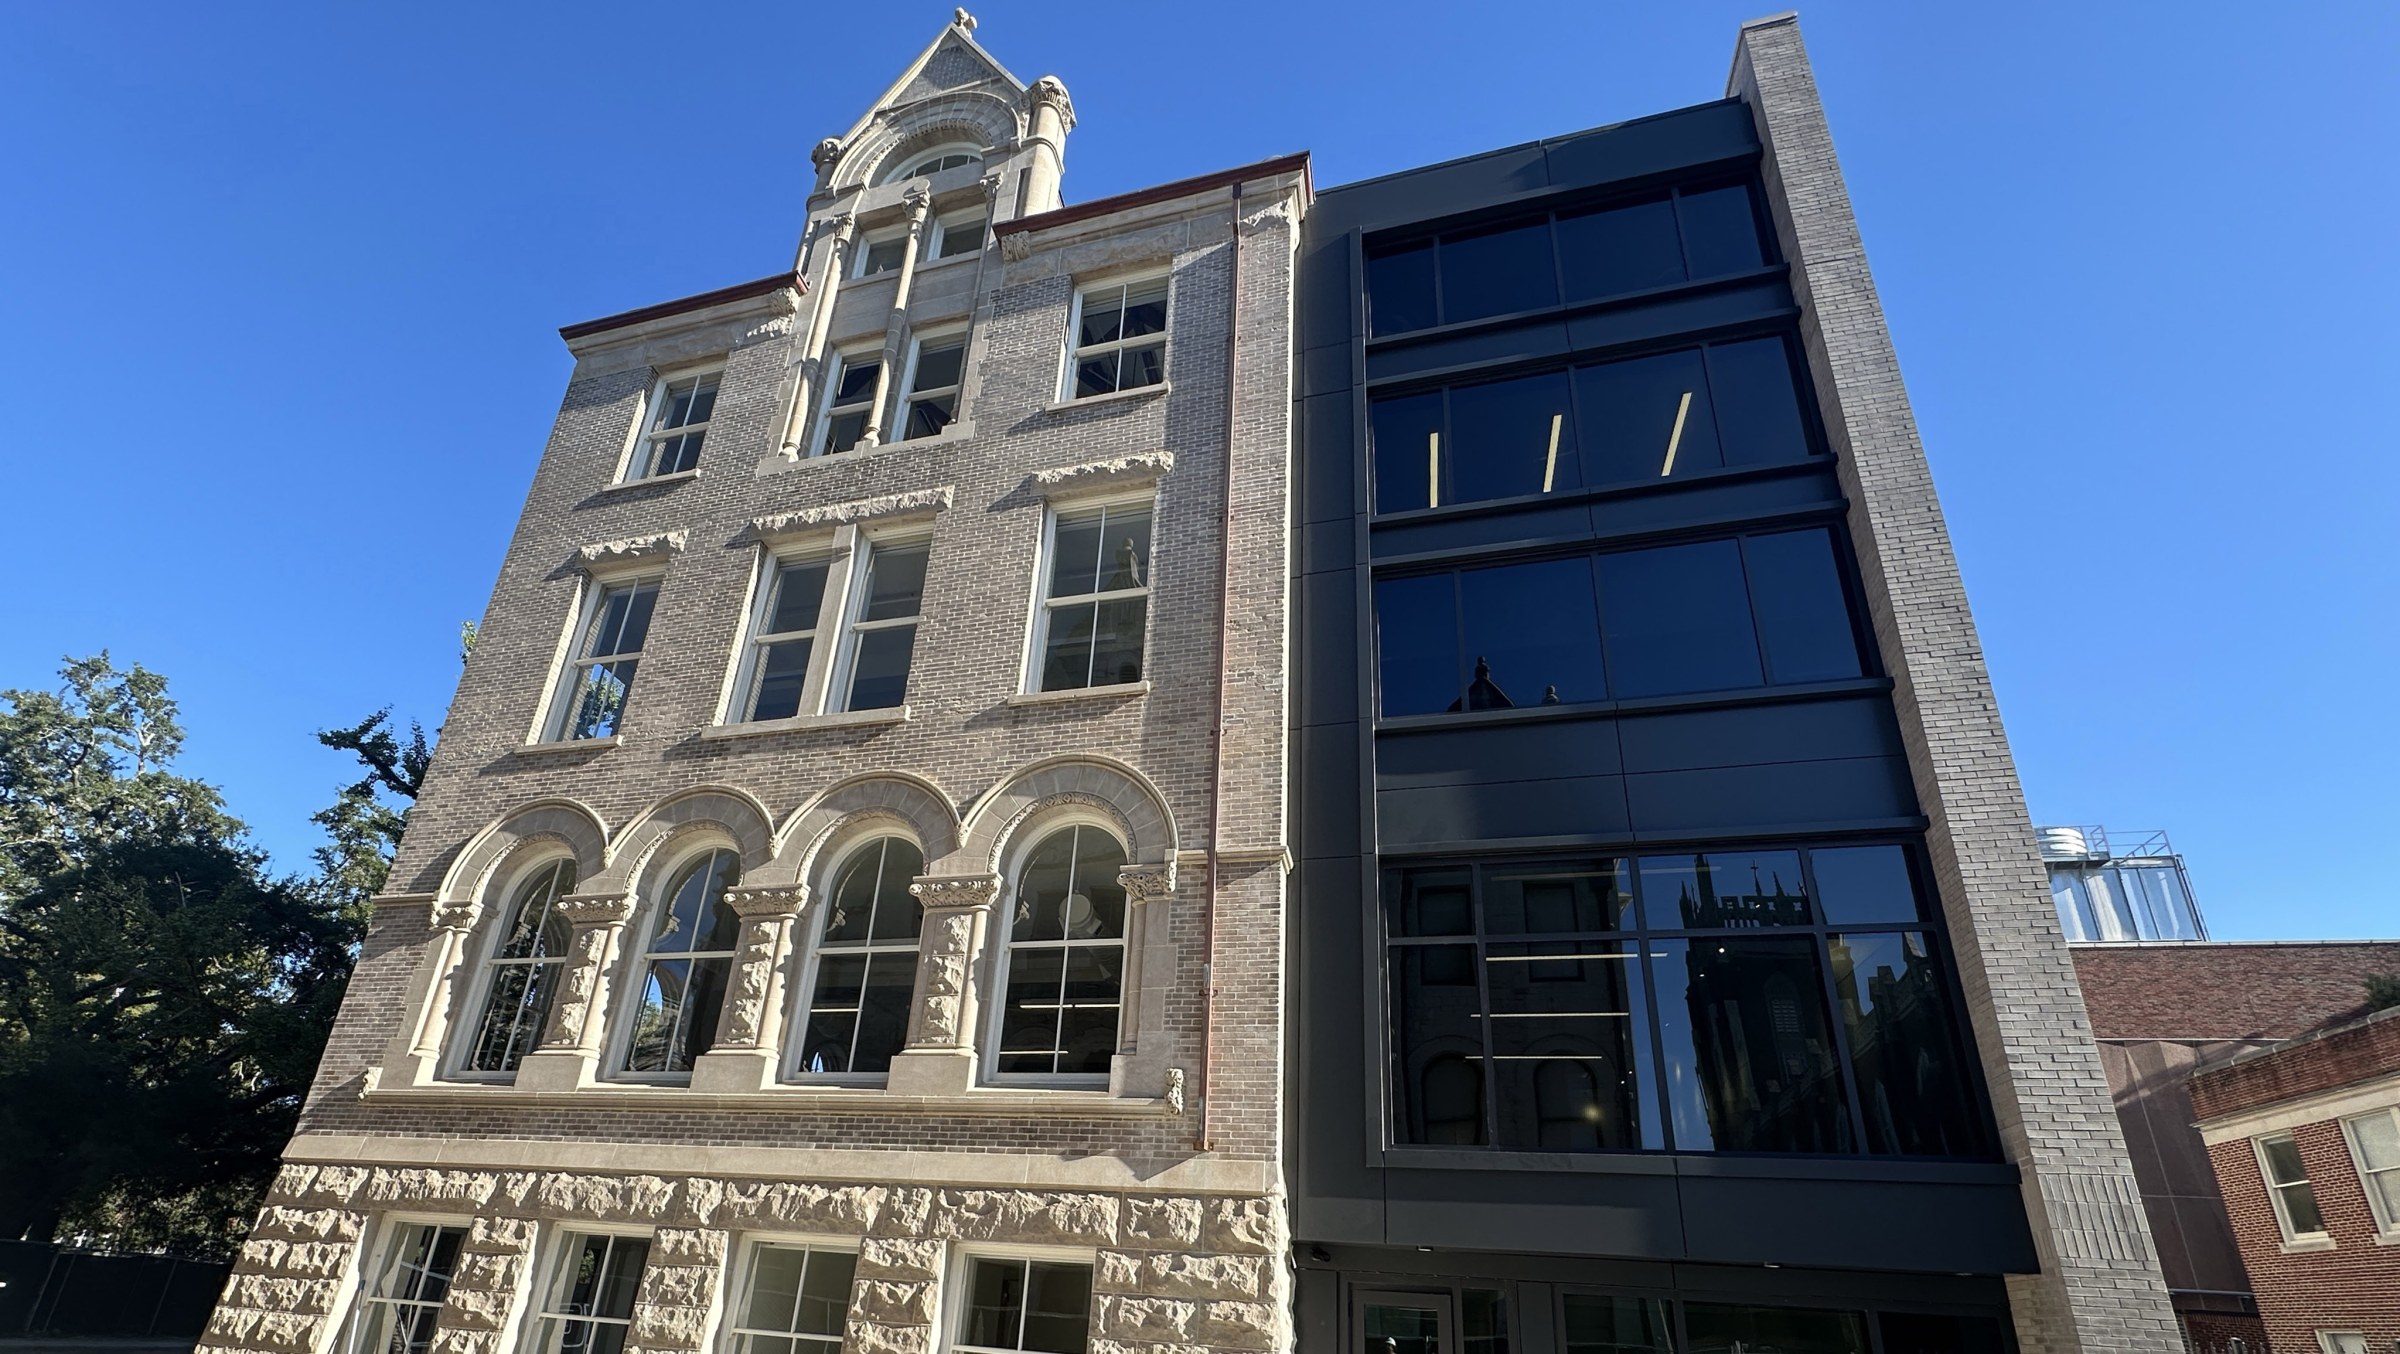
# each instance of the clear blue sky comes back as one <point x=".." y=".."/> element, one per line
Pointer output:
<point x="281" y="285"/>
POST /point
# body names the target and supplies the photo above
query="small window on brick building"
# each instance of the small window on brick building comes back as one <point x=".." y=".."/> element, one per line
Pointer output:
<point x="1095" y="598"/>
<point x="1117" y="338"/>
<point x="849" y="401"/>
<point x="679" y="415"/>
<point x="881" y="641"/>
<point x="1035" y="1306"/>
<point x="521" y="975"/>
<point x="598" y="681"/>
<point x="401" y="1300"/>
<point x="934" y="374"/>
<point x="2288" y="1186"/>
<point x="587" y="1305"/>
<point x="794" y="1300"/>
<point x="2375" y="1142"/>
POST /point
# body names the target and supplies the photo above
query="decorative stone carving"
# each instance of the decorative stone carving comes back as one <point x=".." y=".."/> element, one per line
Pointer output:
<point x="753" y="981"/>
<point x="828" y="151"/>
<point x="1016" y="246"/>
<point x="856" y="510"/>
<point x="767" y="900"/>
<point x="947" y="952"/>
<point x="777" y="327"/>
<point x="1051" y="92"/>
<point x="963" y="21"/>
<point x="595" y="909"/>
<point x="596" y="918"/>
<point x="456" y="916"/>
<point x="1175" y="1089"/>
<point x="631" y="548"/>
<point x="1142" y="883"/>
<point x="919" y="200"/>
<point x="1122" y="470"/>
<point x="956" y="891"/>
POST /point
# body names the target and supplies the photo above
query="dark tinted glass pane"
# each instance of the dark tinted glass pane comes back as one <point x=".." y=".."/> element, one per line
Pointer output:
<point x="1125" y="549"/>
<point x="883" y="1007"/>
<point x="1416" y="644"/>
<point x="1570" y="1047"/>
<point x="1406" y="434"/>
<point x="1533" y="633"/>
<point x="1677" y="619"/>
<point x="1087" y="1018"/>
<point x="1117" y="641"/>
<point x="1067" y="652"/>
<point x="927" y="416"/>
<point x="1431" y="901"/>
<point x="799" y="590"/>
<point x="1146" y="311"/>
<point x="1737" y="889"/>
<point x="1797" y="591"/>
<point x="1497" y="272"/>
<point x="782" y="675"/>
<point x="1554" y="898"/>
<point x="833" y="1011"/>
<point x="895" y="580"/>
<point x="1096" y="376"/>
<point x="882" y="256"/>
<point x="842" y="431"/>
<point x="1400" y="291"/>
<point x="1904" y="1046"/>
<point x="1749" y="1054"/>
<point x="1142" y="367"/>
<point x="879" y="672"/>
<point x="1398" y="1328"/>
<point x="1864" y="884"/>
<point x="1482" y="1321"/>
<point x="937" y="365"/>
<point x="857" y="380"/>
<point x="1647" y="419"/>
<point x="1075" y="555"/>
<point x="1758" y="410"/>
<point x="1509" y="438"/>
<point x="1916" y="1333"/>
<point x="1437" y="1049"/>
<point x="1720" y="232"/>
<point x="1029" y="1014"/>
<point x="1042" y="887"/>
<point x="1598" y="1324"/>
<point x="995" y="1303"/>
<point x="898" y="914"/>
<point x="597" y="706"/>
<point x="1058" y="1307"/>
<point x="1618" y="250"/>
<point x="961" y="237"/>
<point x="1103" y="318"/>
<point x="1714" y="1329"/>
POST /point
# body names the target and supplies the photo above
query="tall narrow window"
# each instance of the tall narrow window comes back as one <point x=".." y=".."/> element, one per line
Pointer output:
<point x="960" y="234"/>
<point x="1096" y="609"/>
<point x="866" y="964"/>
<point x="599" y="680"/>
<point x="883" y="634"/>
<point x="784" y="636"/>
<point x="684" y="969"/>
<point x="588" y="1306"/>
<point x="1036" y="1306"/>
<point x="933" y="381"/>
<point x="678" y="425"/>
<point x="1064" y="968"/>
<point x="2375" y="1141"/>
<point x="1119" y="338"/>
<point x="2295" y="1198"/>
<point x="399" y="1303"/>
<point x="849" y="402"/>
<point x="795" y="1300"/>
<point x="882" y="254"/>
<point x="523" y="971"/>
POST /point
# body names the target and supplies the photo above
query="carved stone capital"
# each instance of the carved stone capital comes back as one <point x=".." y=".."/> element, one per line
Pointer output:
<point x="827" y="151"/>
<point x="1051" y="92"/>
<point x="956" y="892"/>
<point x="1145" y="883"/>
<point x="919" y="200"/>
<point x="631" y="548"/>
<point x="767" y="900"/>
<point x="456" y="916"/>
<point x="595" y="909"/>
<point x="991" y="188"/>
<point x="1016" y="246"/>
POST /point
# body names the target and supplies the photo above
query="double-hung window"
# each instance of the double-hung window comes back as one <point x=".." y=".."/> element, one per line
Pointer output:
<point x="608" y="649"/>
<point x="587" y="1307"/>
<point x="1063" y="969"/>
<point x="1118" y="338"/>
<point x="2375" y="1143"/>
<point x="522" y="974"/>
<point x="680" y="411"/>
<point x="795" y="1300"/>
<point x="881" y="254"/>
<point x="882" y="635"/>
<point x="685" y="968"/>
<point x="933" y="380"/>
<point x="849" y="401"/>
<point x="856" y="1010"/>
<point x="2295" y="1199"/>
<point x="1035" y="1306"/>
<point x="399" y="1304"/>
<point x="784" y="638"/>
<point x="1096" y="602"/>
<point x="959" y="234"/>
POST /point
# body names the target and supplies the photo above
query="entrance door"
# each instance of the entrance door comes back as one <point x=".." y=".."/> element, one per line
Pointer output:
<point x="1403" y="1323"/>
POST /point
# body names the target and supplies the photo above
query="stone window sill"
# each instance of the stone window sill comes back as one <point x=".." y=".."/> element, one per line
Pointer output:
<point x="562" y="746"/>
<point x="2387" y="1238"/>
<point x="1009" y="1103"/>
<point x="1114" y="691"/>
<point x="843" y="719"/>
<point x="653" y="482"/>
<point x="2307" y="1244"/>
<point x="1112" y="397"/>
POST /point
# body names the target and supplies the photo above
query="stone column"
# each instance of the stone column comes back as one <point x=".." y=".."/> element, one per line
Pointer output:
<point x="812" y="358"/>
<point x="1052" y="116"/>
<point x="431" y="991"/>
<point x="569" y="1055"/>
<point x="940" y="1057"/>
<point x="749" y="1037"/>
<point x="483" y="1292"/>
<point x="1147" y="890"/>
<point x="895" y="327"/>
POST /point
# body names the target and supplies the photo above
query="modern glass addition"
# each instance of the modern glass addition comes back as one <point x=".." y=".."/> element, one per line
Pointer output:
<point x="1063" y="975"/>
<point x="1784" y="1000"/>
<point x="849" y="402"/>
<point x="599" y="680"/>
<point x="1721" y="615"/>
<point x="1637" y="420"/>
<point x="2295" y="1199"/>
<point x="588" y="1305"/>
<point x="1563" y="257"/>
<point x="399" y="1304"/>
<point x="2375" y="1142"/>
<point x="794" y="1300"/>
<point x="1118" y="338"/>
<point x="865" y="964"/>
<point x="1035" y="1306"/>
<point x="1096" y="605"/>
<point x="522" y="973"/>
<point x="933" y="380"/>
<point x="684" y="969"/>
<point x="678" y="427"/>
<point x="882" y="635"/>
<point x="784" y="638"/>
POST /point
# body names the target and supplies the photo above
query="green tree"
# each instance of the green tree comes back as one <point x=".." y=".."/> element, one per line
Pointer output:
<point x="2383" y="991"/>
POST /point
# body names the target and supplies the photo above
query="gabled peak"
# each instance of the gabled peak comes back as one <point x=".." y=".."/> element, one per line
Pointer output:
<point x="953" y="61"/>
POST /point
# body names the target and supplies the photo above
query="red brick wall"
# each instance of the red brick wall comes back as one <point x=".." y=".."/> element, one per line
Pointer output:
<point x="2355" y="1286"/>
<point x="2324" y="1063"/>
<point x="2226" y="990"/>
<point x="2211" y="1333"/>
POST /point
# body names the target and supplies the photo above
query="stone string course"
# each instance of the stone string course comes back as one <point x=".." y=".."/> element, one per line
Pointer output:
<point x="1191" y="1272"/>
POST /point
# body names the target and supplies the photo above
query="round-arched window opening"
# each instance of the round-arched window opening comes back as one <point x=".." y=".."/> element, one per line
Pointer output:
<point x="935" y="159"/>
<point x="522" y="971"/>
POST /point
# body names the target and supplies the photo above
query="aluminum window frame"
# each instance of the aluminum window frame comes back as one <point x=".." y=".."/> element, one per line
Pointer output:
<point x="1124" y="285"/>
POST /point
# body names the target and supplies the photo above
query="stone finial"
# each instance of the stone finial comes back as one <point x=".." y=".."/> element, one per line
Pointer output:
<point x="956" y="891"/>
<point x="964" y="21"/>
<point x="827" y="151"/>
<point x="1051" y="92"/>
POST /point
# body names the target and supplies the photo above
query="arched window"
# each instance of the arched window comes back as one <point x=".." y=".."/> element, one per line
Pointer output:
<point x="933" y="160"/>
<point x="1063" y="971"/>
<point x="857" y="1002"/>
<point x="684" y="968"/>
<point x="522" y="971"/>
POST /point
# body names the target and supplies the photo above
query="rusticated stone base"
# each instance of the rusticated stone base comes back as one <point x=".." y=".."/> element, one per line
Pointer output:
<point x="1191" y="1272"/>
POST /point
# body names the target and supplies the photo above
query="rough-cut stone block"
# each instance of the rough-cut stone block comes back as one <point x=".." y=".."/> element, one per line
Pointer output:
<point x="467" y="1342"/>
<point x="565" y="1195"/>
<point x="688" y="1245"/>
<point x="1239" y="1325"/>
<point x="1205" y="1276"/>
<point x="470" y="1309"/>
<point x="1024" y="1215"/>
<point x="1162" y="1222"/>
<point x="291" y="1184"/>
<point x="232" y="1324"/>
<point x="895" y="1303"/>
<point x="678" y="1285"/>
<point x="500" y="1235"/>
<point x="421" y="1186"/>
<point x="872" y="1337"/>
<point x="669" y="1327"/>
<point x="1126" y="1318"/>
<point x="1244" y="1226"/>
<point x="905" y="1213"/>
<point x="274" y="1293"/>
<point x="309" y="1224"/>
<point x="488" y="1272"/>
<point x="337" y="1184"/>
<point x="1118" y="1272"/>
<point x="896" y="1258"/>
<point x="837" y="1208"/>
<point x="286" y="1331"/>
<point x="699" y="1201"/>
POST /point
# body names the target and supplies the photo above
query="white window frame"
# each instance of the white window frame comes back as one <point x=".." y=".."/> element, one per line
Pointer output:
<point x="843" y="362"/>
<point x="2319" y="1239"/>
<point x="642" y="935"/>
<point x="906" y="167"/>
<point x="909" y="394"/>
<point x="551" y="1278"/>
<point x="2387" y="1220"/>
<point x="995" y="1015"/>
<point x="374" y="1255"/>
<point x="805" y="991"/>
<point x="487" y="964"/>
<point x="2342" y="1342"/>
<point x="1045" y="605"/>
<point x="866" y="245"/>
<point x="1122" y="284"/>
<point x="960" y="1280"/>
<point x="559" y="711"/>
<point x="740" y="1276"/>
<point x="939" y="236"/>
<point x="854" y="603"/>
<point x="749" y="659"/>
<point x="641" y="455"/>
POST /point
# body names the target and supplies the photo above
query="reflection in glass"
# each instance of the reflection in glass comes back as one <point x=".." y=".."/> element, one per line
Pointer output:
<point x="1897" y="1015"/>
<point x="883" y="639"/>
<point x="590" y="1304"/>
<point x="866" y="973"/>
<point x="1725" y="890"/>
<point x="1750" y="1064"/>
<point x="399" y="1307"/>
<point x="1389" y="1328"/>
<point x="1677" y="618"/>
<point x="1921" y="1333"/>
<point x="1758" y="409"/>
<point x="1509" y="438"/>
<point x="1865" y="884"/>
<point x="1098" y="600"/>
<point x="1066" y="957"/>
<point x="1534" y="630"/>
<point x="1803" y="619"/>
<point x="685" y="968"/>
<point x="1405" y="439"/>
<point x="1482" y="1322"/>
<point x="1713" y="1328"/>
<point x="1039" y="1306"/>
<point x="798" y="1302"/>
<point x="1437" y="1046"/>
<point x="1569" y="1053"/>
<point x="1606" y="1324"/>
<point x="1417" y="667"/>
<point x="1650" y="418"/>
<point x="523" y="971"/>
